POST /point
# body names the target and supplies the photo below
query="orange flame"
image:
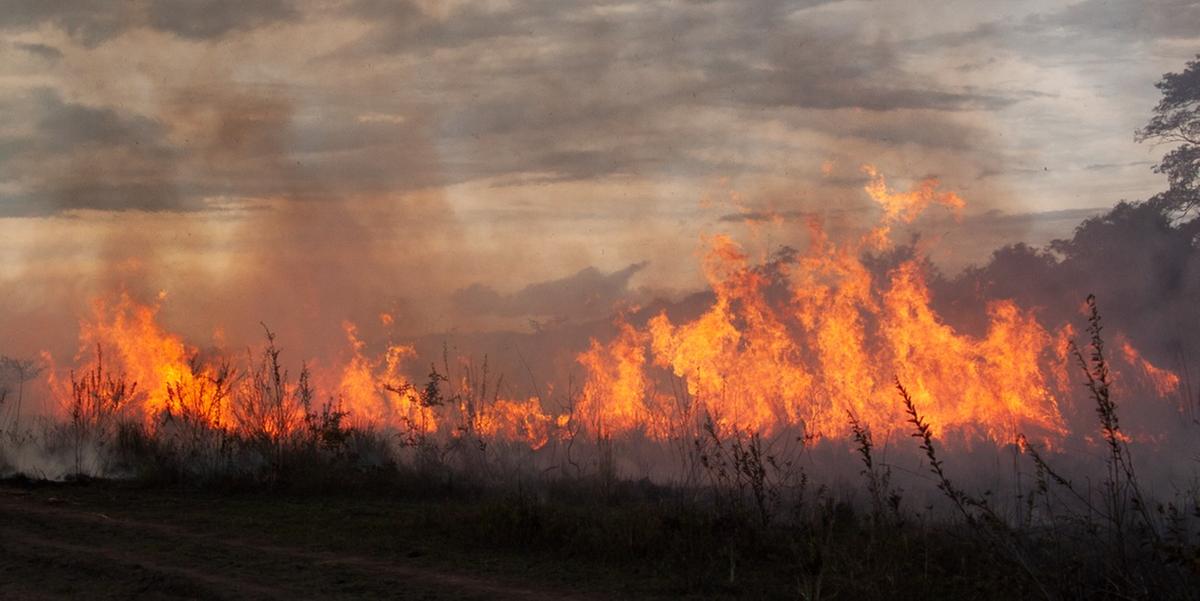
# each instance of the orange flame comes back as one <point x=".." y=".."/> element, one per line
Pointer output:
<point x="522" y="421"/>
<point x="904" y="207"/>
<point x="819" y="338"/>
<point x="1163" y="381"/>
<point x="364" y="387"/>
<point x="135" y="344"/>
<point x="800" y="343"/>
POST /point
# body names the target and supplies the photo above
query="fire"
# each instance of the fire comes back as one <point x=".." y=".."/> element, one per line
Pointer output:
<point x="798" y="343"/>
<point x="375" y="391"/>
<point x="522" y="421"/>
<point x="157" y="361"/>
<point x="904" y="207"/>
<point x="615" y="394"/>
<point x="1163" y="381"/>
<point x="808" y="341"/>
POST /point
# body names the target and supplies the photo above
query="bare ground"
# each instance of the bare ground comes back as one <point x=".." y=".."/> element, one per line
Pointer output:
<point x="64" y="542"/>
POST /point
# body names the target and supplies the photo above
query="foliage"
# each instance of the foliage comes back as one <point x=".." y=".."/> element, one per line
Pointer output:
<point x="1176" y="120"/>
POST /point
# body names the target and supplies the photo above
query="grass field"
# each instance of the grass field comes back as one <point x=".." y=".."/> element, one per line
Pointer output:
<point x="116" y="540"/>
<point x="107" y="540"/>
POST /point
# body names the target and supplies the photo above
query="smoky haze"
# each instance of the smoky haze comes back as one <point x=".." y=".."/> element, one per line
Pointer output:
<point x="506" y="177"/>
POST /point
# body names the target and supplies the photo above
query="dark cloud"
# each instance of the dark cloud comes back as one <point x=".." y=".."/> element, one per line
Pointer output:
<point x="92" y="22"/>
<point x="89" y="22"/>
<point x="524" y="93"/>
<point x="764" y="216"/>
<point x="985" y="220"/>
<point x="208" y="19"/>
<point x="1108" y="166"/>
<point x="1128" y="19"/>
<point x="929" y="129"/>
<point x="808" y="67"/>
<point x="40" y="50"/>
<point x="787" y="89"/>
<point x="84" y="157"/>
<point x="210" y="141"/>
<point x="991" y="218"/>
<point x="586" y="294"/>
<point x="610" y="87"/>
<point x="568" y="92"/>
<point x="1084" y="31"/>
<point x="66" y="125"/>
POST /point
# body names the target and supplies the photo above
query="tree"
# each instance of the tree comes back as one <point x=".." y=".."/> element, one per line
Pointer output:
<point x="1177" y="121"/>
<point x="24" y="371"/>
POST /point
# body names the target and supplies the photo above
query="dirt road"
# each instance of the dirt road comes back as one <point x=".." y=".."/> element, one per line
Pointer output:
<point x="57" y="544"/>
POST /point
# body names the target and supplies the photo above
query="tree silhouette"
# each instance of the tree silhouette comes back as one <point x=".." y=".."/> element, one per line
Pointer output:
<point x="1177" y="121"/>
<point x="23" y="370"/>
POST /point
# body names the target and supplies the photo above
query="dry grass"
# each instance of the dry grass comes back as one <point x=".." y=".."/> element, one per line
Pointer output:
<point x="756" y="521"/>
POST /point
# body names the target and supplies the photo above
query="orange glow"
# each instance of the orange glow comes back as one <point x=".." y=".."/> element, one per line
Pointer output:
<point x="1163" y="381"/>
<point x="904" y="207"/>
<point x="822" y="336"/>
<point x="520" y="421"/>
<point x="363" y="388"/>
<point x="794" y="344"/>
<point x="614" y="397"/>
<point x="134" y="343"/>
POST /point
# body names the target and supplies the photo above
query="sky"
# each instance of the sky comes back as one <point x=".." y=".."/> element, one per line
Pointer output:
<point x="467" y="164"/>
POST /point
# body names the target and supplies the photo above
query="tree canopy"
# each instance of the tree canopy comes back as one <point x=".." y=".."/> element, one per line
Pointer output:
<point x="1176" y="120"/>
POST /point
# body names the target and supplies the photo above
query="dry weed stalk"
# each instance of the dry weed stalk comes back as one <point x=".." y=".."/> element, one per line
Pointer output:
<point x="97" y="400"/>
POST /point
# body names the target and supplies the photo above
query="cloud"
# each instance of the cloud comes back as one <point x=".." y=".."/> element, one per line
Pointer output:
<point x="1071" y="215"/>
<point x="566" y="93"/>
<point x="1133" y="20"/>
<point x="1087" y="30"/>
<point x="92" y="22"/>
<point x="88" y="22"/>
<point x="40" y="50"/>
<point x="609" y="115"/>
<point x="66" y="125"/>
<point x="85" y="157"/>
<point x="587" y="293"/>
<point x="983" y="221"/>
<point x="753" y="53"/>
<point x="206" y="147"/>
<point x="573" y="92"/>
<point x="210" y="19"/>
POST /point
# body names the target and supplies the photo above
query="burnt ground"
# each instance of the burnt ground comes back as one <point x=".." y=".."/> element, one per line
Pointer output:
<point x="125" y="540"/>
<point x="105" y="540"/>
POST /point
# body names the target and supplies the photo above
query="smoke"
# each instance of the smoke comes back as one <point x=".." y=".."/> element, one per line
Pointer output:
<point x="227" y="203"/>
<point x="229" y="185"/>
<point x="1142" y="267"/>
<point x="312" y="251"/>
<point x="588" y="294"/>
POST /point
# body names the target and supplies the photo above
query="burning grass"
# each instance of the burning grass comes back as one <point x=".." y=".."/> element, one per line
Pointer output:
<point x="746" y="512"/>
<point x="743" y="422"/>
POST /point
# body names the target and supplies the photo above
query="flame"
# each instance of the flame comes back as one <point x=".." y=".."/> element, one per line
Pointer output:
<point x="805" y="342"/>
<point x="614" y="396"/>
<point x="522" y="421"/>
<point x="907" y="206"/>
<point x="135" y="344"/>
<point x="801" y="342"/>
<point x="1163" y="381"/>
<point x="363" y="387"/>
<point x="904" y="207"/>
